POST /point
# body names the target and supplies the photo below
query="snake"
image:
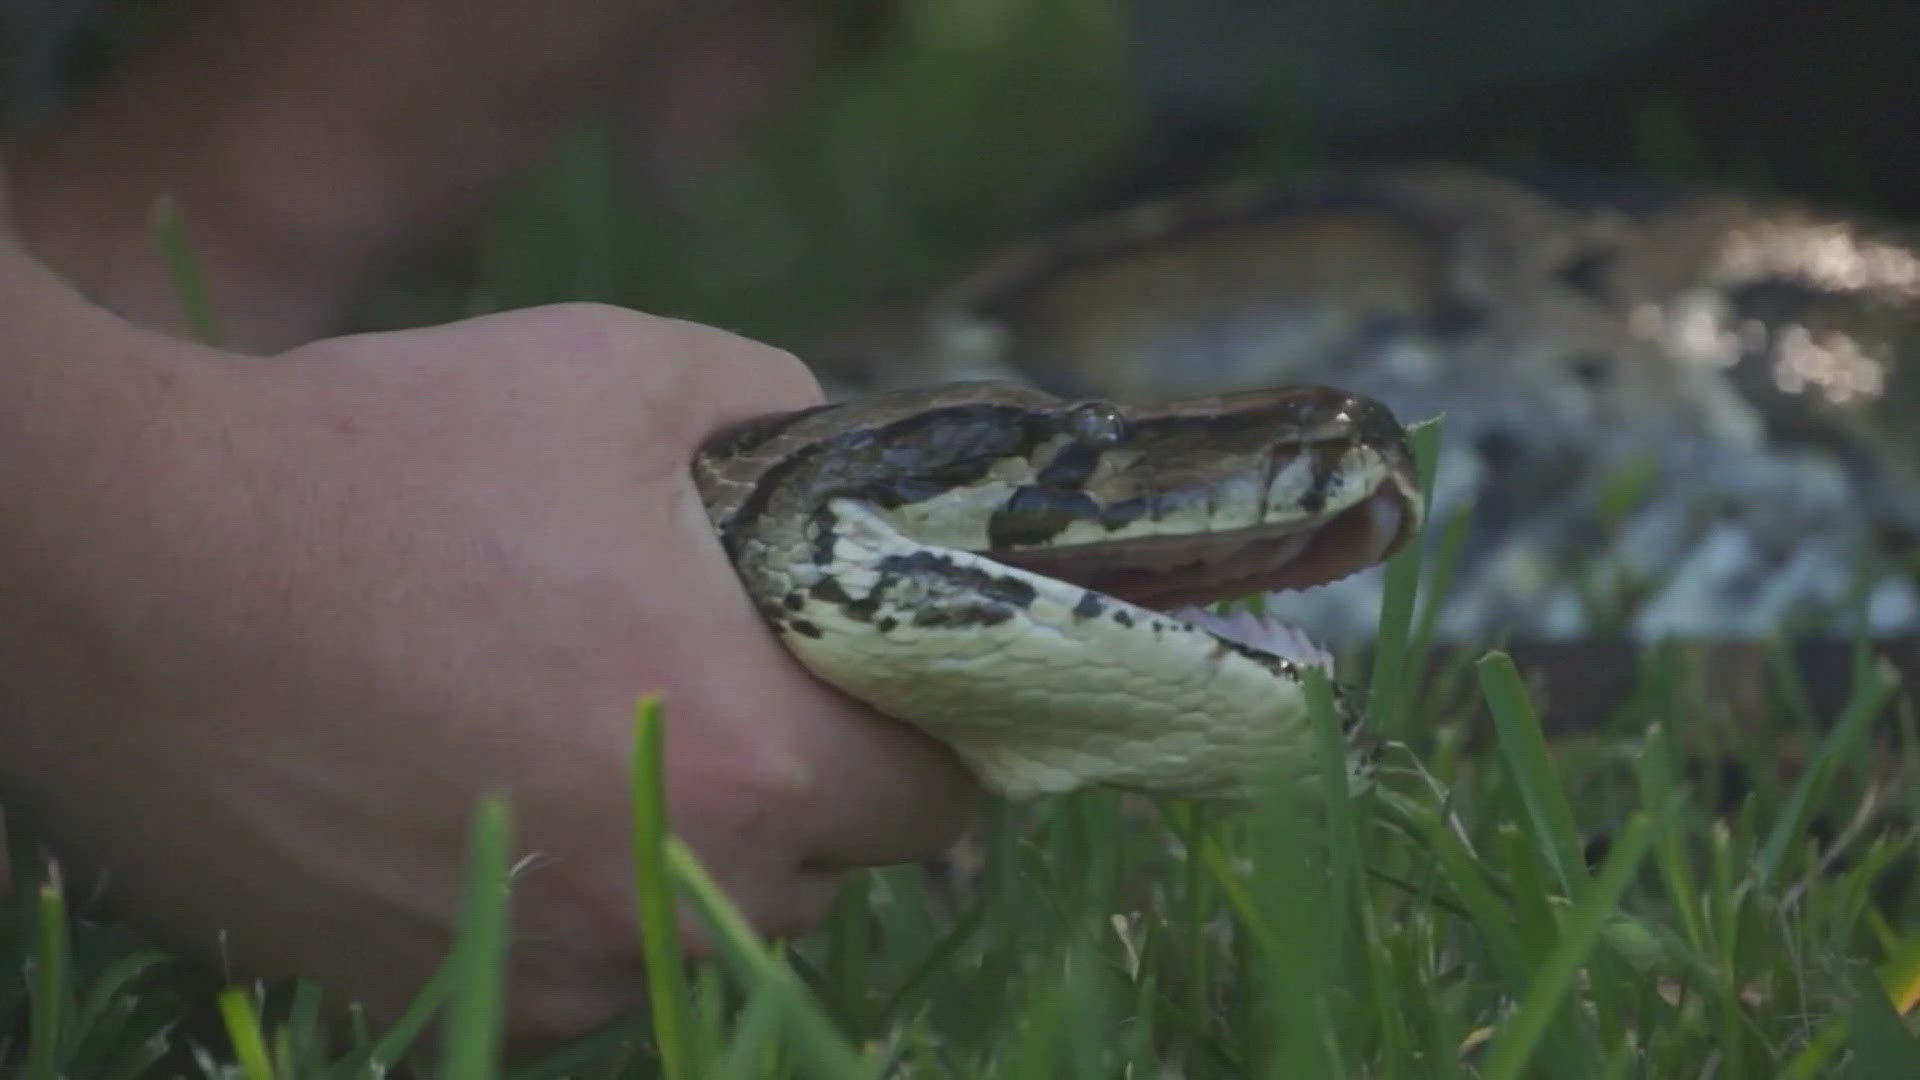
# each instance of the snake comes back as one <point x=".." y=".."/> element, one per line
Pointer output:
<point x="1026" y="578"/>
<point x="1669" y="410"/>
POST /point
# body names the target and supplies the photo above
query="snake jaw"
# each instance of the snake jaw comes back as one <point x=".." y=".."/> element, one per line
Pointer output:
<point x="1259" y="562"/>
<point x="1168" y="572"/>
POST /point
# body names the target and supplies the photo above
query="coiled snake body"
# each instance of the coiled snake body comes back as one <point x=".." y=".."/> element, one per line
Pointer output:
<point x="1668" y="412"/>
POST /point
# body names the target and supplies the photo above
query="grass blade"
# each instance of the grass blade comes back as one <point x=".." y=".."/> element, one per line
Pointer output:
<point x="471" y="1047"/>
<point x="1653" y="768"/>
<point x="116" y="981"/>
<point x="1883" y="1047"/>
<point x="1436" y="583"/>
<point x="1525" y="747"/>
<point x="653" y="892"/>
<point x="760" y="971"/>
<point x="47" y="1015"/>
<point x="400" y="1036"/>
<point x="243" y="1030"/>
<point x="1349" y="864"/>
<point x="752" y="1048"/>
<point x="1872" y="695"/>
<point x="189" y="282"/>
<point x="1402" y="587"/>
<point x="1515" y="1045"/>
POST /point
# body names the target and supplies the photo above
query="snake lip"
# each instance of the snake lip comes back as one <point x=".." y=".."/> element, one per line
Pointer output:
<point x="1163" y="573"/>
<point x="1180" y="575"/>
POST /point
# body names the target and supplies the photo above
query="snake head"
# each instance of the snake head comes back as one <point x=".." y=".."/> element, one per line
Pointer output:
<point x="1210" y="500"/>
<point x="1002" y="567"/>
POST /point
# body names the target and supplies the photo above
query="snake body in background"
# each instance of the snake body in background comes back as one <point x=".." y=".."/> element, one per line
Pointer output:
<point x="1016" y="574"/>
<point x="1673" y="412"/>
<point x="1676" y="415"/>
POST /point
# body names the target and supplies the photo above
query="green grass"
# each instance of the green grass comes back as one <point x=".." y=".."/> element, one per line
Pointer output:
<point x="1449" y="920"/>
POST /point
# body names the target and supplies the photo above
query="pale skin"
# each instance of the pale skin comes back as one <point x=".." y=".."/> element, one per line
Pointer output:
<point x="273" y="624"/>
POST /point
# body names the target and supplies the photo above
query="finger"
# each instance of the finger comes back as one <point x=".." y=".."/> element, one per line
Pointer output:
<point x="880" y="792"/>
<point x="887" y="793"/>
<point x="713" y="378"/>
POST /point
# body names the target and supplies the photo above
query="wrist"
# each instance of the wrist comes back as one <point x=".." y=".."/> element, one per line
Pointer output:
<point x="103" y="426"/>
<point x="95" y="407"/>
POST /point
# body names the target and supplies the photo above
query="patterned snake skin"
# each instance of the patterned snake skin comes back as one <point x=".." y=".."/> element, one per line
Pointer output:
<point x="1671" y="414"/>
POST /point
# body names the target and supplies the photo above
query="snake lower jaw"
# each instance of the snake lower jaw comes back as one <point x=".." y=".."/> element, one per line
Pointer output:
<point x="1280" y="640"/>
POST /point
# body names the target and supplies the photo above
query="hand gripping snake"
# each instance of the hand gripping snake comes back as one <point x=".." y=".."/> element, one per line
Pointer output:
<point x="1017" y="574"/>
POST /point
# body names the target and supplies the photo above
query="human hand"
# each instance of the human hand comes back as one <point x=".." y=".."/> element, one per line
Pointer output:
<point x="293" y="627"/>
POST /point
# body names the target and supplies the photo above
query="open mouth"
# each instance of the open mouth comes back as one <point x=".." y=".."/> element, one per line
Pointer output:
<point x="1180" y="575"/>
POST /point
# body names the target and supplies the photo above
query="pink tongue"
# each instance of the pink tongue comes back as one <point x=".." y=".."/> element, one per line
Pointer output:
<point x="1267" y="635"/>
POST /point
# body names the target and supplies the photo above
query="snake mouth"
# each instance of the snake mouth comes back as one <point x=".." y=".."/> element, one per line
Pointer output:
<point x="1165" y="572"/>
<point x="1179" y="575"/>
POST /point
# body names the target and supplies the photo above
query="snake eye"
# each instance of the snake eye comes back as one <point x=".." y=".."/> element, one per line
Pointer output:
<point x="1096" y="423"/>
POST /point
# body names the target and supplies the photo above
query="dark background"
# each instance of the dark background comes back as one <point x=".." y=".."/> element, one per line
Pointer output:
<point x="940" y="129"/>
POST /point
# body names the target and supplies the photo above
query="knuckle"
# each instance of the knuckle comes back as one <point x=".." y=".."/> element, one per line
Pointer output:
<point x="730" y="368"/>
<point x="583" y="330"/>
<point x="784" y="782"/>
<point x="610" y="322"/>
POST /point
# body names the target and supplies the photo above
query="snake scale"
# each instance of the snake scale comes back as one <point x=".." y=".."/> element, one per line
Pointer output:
<point x="1018" y="574"/>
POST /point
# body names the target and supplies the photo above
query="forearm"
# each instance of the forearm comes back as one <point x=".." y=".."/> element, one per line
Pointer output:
<point x="308" y="144"/>
<point x="90" y="407"/>
<point x="79" y="385"/>
<point x="71" y="376"/>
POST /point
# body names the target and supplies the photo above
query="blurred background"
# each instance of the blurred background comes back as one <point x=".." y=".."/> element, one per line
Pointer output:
<point x="937" y="130"/>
